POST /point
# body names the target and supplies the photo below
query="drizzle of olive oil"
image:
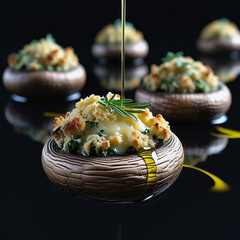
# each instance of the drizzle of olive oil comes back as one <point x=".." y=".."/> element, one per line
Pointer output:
<point x="150" y="158"/>
<point x="219" y="184"/>
<point x="225" y="133"/>
<point x="53" y="114"/>
<point x="123" y="17"/>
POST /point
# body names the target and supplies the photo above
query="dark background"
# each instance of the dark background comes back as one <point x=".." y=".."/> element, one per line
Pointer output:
<point x="171" y="25"/>
<point x="31" y="207"/>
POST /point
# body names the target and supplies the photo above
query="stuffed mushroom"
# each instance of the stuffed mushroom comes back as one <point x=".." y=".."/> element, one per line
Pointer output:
<point x="108" y="42"/>
<point x="43" y="69"/>
<point x="104" y="150"/>
<point x="219" y="36"/>
<point x="183" y="89"/>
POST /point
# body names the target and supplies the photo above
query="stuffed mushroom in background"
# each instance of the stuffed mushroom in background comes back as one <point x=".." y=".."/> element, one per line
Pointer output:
<point x="219" y="37"/>
<point x="43" y="70"/>
<point x="108" y="42"/>
<point x="185" y="90"/>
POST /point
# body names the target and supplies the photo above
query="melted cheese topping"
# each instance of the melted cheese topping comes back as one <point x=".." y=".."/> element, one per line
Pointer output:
<point x="93" y="130"/>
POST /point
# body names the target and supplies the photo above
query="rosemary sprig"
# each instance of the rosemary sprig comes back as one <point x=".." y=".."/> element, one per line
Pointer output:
<point x="124" y="107"/>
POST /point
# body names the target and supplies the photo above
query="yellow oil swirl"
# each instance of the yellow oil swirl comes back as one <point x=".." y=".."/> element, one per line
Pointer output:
<point x="150" y="158"/>
<point x="226" y="133"/>
<point x="53" y="114"/>
<point x="219" y="184"/>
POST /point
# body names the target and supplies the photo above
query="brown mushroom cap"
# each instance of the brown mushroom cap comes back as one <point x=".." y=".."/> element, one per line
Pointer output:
<point x="217" y="46"/>
<point x="44" y="84"/>
<point x="187" y="107"/>
<point x="133" y="50"/>
<point x="120" y="178"/>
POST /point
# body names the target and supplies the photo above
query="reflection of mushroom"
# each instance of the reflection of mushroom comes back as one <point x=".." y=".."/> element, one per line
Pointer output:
<point x="37" y="135"/>
<point x="132" y="51"/>
<point x="184" y="90"/>
<point x="122" y="178"/>
<point x="188" y="107"/>
<point x="110" y="76"/>
<point x="193" y="160"/>
<point x="108" y="42"/>
<point x="220" y="36"/>
<point x="227" y="70"/>
<point x="43" y="69"/>
<point x="28" y="118"/>
<point x="197" y="142"/>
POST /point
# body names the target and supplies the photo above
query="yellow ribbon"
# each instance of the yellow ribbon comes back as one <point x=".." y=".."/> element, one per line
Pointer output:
<point x="219" y="184"/>
<point x="226" y="133"/>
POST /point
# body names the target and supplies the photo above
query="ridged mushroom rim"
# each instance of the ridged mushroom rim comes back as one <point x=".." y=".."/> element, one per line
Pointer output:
<point x="108" y="126"/>
<point x="115" y="178"/>
<point x="44" y="55"/>
<point x="178" y="74"/>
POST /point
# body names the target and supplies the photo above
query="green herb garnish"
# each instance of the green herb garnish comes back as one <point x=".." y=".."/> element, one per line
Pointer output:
<point x="50" y="38"/>
<point x="76" y="137"/>
<point x="72" y="146"/>
<point x="146" y="131"/>
<point x="100" y="133"/>
<point x="170" y="56"/>
<point x="93" y="124"/>
<point x="224" y="20"/>
<point x="124" y="107"/>
<point x="183" y="64"/>
<point x="131" y="150"/>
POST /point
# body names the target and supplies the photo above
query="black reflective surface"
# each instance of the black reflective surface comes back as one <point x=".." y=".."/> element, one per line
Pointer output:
<point x="31" y="207"/>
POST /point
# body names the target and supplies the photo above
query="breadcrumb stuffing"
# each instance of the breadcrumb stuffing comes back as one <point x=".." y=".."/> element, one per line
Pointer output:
<point x="91" y="129"/>
<point x="220" y="29"/>
<point x="44" y="54"/>
<point x="181" y="75"/>
<point x="112" y="34"/>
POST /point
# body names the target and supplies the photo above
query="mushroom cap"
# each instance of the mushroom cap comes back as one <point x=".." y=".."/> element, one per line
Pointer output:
<point x="44" y="84"/>
<point x="218" y="46"/>
<point x="188" y="107"/>
<point x="118" y="178"/>
<point x="133" y="50"/>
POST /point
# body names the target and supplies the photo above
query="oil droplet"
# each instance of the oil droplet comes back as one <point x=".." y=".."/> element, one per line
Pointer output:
<point x="150" y="158"/>
<point x="219" y="184"/>
<point x="53" y="114"/>
<point x="226" y="133"/>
